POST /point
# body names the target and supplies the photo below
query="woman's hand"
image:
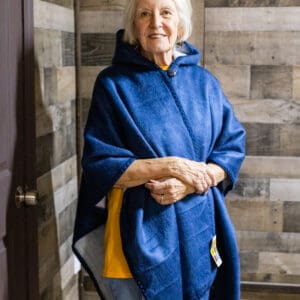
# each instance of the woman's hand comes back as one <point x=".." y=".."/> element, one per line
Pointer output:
<point x="169" y="190"/>
<point x="196" y="174"/>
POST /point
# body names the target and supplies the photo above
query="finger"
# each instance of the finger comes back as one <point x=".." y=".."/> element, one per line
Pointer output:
<point x="211" y="174"/>
<point x="161" y="187"/>
<point x="159" y="198"/>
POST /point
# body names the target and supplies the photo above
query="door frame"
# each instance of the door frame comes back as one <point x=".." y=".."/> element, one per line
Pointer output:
<point x="30" y="149"/>
<point x="22" y="226"/>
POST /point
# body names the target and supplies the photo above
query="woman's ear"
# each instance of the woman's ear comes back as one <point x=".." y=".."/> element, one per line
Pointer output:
<point x="180" y="34"/>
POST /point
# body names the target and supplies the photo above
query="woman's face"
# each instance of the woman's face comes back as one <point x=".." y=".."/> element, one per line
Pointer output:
<point x="156" y="28"/>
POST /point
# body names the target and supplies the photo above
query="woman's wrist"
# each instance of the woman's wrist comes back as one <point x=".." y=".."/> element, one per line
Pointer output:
<point x="216" y="173"/>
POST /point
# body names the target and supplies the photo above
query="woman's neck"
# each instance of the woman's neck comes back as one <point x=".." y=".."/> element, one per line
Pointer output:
<point x="160" y="59"/>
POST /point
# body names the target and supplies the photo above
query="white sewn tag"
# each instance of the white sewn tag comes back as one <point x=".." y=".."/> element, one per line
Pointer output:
<point x="214" y="252"/>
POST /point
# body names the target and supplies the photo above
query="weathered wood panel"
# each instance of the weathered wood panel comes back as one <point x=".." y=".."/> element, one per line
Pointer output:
<point x="270" y="111"/>
<point x="276" y="167"/>
<point x="250" y="188"/>
<point x="283" y="189"/>
<point x="87" y="77"/>
<point x="235" y="80"/>
<point x="197" y="37"/>
<point x="256" y="215"/>
<point x="68" y="48"/>
<point x="252" y="48"/>
<point x="269" y="82"/>
<point x="97" y="48"/>
<point x="291" y="215"/>
<point x="47" y="48"/>
<point x="100" y="21"/>
<point x="65" y="224"/>
<point x="272" y="139"/>
<point x="251" y="3"/>
<point x="249" y="261"/>
<point x="65" y="3"/>
<point x="268" y="296"/>
<point x="54" y="17"/>
<point x="253" y="19"/>
<point x="59" y="146"/>
<point x="254" y="241"/>
<point x="279" y="263"/>
<point x="296" y="83"/>
<point x="102" y="4"/>
<point x="273" y="278"/>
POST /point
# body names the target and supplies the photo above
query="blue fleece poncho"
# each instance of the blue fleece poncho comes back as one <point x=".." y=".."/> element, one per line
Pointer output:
<point x="140" y="111"/>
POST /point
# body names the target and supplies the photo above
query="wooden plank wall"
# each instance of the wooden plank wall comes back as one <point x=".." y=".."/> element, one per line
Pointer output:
<point x="55" y="93"/>
<point x="253" y="49"/>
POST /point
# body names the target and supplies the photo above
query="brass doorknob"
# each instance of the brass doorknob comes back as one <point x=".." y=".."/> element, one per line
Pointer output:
<point x="27" y="197"/>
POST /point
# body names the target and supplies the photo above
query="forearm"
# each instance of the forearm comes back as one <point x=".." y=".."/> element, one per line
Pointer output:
<point x="143" y="170"/>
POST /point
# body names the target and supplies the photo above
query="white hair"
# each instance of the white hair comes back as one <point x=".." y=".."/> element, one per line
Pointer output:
<point x="184" y="11"/>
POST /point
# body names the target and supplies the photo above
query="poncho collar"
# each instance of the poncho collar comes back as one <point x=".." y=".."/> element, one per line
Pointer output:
<point x="127" y="54"/>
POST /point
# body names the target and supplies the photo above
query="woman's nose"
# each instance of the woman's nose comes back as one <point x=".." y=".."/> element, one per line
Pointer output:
<point x="156" y="20"/>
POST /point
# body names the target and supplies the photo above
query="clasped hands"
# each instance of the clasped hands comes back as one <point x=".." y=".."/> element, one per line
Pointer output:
<point x="187" y="177"/>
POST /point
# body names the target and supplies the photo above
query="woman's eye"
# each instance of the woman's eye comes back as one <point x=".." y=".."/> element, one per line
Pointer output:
<point x="144" y="14"/>
<point x="166" y="13"/>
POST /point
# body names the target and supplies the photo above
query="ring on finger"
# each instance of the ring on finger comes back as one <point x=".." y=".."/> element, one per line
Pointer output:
<point x="161" y="198"/>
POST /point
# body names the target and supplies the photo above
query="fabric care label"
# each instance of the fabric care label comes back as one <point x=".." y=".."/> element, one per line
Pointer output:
<point x="214" y="252"/>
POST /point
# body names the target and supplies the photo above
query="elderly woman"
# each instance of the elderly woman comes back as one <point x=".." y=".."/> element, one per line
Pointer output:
<point x="162" y="146"/>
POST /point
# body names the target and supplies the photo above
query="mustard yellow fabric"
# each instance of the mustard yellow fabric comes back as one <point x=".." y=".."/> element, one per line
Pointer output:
<point x="165" y="68"/>
<point x="115" y="265"/>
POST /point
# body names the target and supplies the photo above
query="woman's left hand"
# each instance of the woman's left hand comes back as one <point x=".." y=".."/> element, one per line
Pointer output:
<point x="168" y="190"/>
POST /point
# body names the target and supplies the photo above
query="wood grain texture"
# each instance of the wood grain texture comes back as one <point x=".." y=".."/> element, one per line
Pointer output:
<point x="284" y="189"/>
<point x="235" y="80"/>
<point x="49" y="16"/>
<point x="251" y="3"/>
<point x="250" y="188"/>
<point x="252" y="19"/>
<point x="272" y="139"/>
<point x="269" y="111"/>
<point x="269" y="82"/>
<point x="68" y="48"/>
<point x="275" y="167"/>
<point x="279" y="263"/>
<point x="252" y="48"/>
<point x="65" y="3"/>
<point x="97" y="48"/>
<point x="256" y="215"/>
<point x="263" y="241"/>
<point x="296" y="83"/>
<point x="102" y="4"/>
<point x="291" y="215"/>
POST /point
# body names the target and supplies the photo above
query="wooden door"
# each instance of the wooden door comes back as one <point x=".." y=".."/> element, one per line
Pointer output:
<point x="18" y="229"/>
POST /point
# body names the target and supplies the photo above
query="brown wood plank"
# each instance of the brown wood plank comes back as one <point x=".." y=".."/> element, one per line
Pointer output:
<point x="251" y="3"/>
<point x="252" y="48"/>
<point x="256" y="215"/>
<point x="259" y="241"/>
<point x="269" y="82"/>
<point x="97" y="48"/>
<point x="272" y="139"/>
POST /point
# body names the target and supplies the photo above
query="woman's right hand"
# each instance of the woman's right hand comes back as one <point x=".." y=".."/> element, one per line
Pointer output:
<point x="196" y="174"/>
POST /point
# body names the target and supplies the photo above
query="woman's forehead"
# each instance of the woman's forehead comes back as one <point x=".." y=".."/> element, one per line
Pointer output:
<point x="155" y="3"/>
